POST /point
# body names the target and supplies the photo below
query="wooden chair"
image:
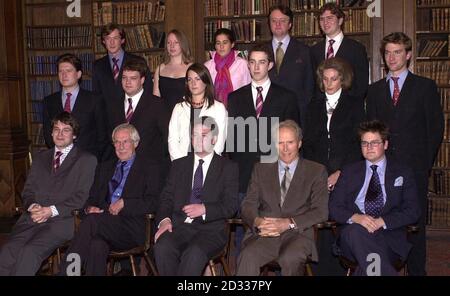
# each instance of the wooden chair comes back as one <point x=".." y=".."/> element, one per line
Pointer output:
<point x="223" y="258"/>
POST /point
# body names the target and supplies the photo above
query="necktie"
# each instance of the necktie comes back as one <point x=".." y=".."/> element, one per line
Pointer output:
<point x="285" y="184"/>
<point x="57" y="160"/>
<point x="373" y="202"/>
<point x="130" y="110"/>
<point x="67" y="103"/>
<point x="115" y="181"/>
<point x="396" y="93"/>
<point x="115" y="68"/>
<point x="198" y="184"/>
<point x="279" y="56"/>
<point x="330" y="51"/>
<point x="259" y="101"/>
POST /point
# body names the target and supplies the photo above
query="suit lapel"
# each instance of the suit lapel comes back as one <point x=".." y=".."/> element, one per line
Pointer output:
<point x="407" y="90"/>
<point x="296" y="186"/>
<point x="248" y="102"/>
<point x="143" y="102"/>
<point x="211" y="177"/>
<point x="79" y="103"/>
<point x="68" y="161"/>
<point x="388" y="185"/>
<point x="187" y="175"/>
<point x="358" y="183"/>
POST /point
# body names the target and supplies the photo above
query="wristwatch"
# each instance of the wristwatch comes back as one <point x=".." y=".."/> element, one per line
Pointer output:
<point x="292" y="224"/>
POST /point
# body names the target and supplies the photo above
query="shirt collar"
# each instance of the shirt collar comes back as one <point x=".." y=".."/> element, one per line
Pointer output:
<point x="285" y="40"/>
<point x="135" y="97"/>
<point x="337" y="39"/>
<point x="119" y="56"/>
<point x="64" y="151"/>
<point x="128" y="162"/>
<point x="206" y="159"/>
<point x="401" y="77"/>
<point x="334" y="97"/>
<point x="265" y="85"/>
<point x="381" y="164"/>
<point x="74" y="92"/>
<point x="292" y="166"/>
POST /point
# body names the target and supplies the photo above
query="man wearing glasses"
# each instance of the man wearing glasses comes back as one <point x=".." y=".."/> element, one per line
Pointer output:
<point x="375" y="199"/>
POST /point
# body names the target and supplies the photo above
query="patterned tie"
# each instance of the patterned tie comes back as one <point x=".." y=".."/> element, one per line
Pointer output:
<point x="285" y="184"/>
<point x="115" y="182"/>
<point x="373" y="202"/>
<point x="198" y="184"/>
<point x="396" y="93"/>
<point x="57" y="161"/>
<point x="67" y="103"/>
<point x="259" y="101"/>
<point x="330" y="51"/>
<point x="115" y="68"/>
<point x="279" y="56"/>
<point x="130" y="110"/>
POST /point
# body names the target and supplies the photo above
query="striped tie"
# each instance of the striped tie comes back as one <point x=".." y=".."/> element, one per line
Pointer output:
<point x="67" y="103"/>
<point x="115" y="68"/>
<point x="130" y="110"/>
<point x="330" y="51"/>
<point x="259" y="101"/>
<point x="57" y="161"/>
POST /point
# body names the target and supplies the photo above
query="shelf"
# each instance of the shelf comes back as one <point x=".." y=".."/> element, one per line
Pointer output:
<point x="59" y="26"/>
<point x="149" y="50"/>
<point x="432" y="58"/>
<point x="135" y="24"/>
<point x="432" y="6"/>
<point x="432" y="32"/>
<point x="61" y="48"/>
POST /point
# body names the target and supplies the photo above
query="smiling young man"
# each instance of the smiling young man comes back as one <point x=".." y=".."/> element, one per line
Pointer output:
<point x="410" y="105"/>
<point x="375" y="200"/>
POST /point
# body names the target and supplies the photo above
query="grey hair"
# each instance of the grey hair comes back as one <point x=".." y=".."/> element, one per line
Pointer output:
<point x="134" y="135"/>
<point x="293" y="126"/>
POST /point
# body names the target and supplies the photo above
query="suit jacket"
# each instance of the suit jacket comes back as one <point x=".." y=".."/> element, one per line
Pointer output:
<point x="140" y="193"/>
<point x="103" y="84"/>
<point x="353" y="53"/>
<point x="88" y="111"/>
<point x="306" y="200"/>
<point x="416" y="124"/>
<point x="401" y="207"/>
<point x="280" y="103"/>
<point x="151" y="119"/>
<point x="219" y="193"/>
<point x="296" y="74"/>
<point x="67" y="188"/>
<point x="341" y="145"/>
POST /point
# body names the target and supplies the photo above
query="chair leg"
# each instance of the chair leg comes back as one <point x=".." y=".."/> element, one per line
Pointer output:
<point x="349" y="271"/>
<point x="133" y="265"/>
<point x="265" y="271"/>
<point x="308" y="269"/>
<point x="211" y="268"/>
<point x="151" y="267"/>
<point x="111" y="267"/>
<point x="226" y="269"/>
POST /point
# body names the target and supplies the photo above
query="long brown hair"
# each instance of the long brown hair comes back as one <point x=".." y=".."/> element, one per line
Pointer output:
<point x="204" y="75"/>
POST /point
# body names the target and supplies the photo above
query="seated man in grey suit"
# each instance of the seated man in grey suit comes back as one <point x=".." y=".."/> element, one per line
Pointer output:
<point x="375" y="199"/>
<point x="58" y="182"/>
<point x="200" y="194"/>
<point x="124" y="190"/>
<point x="284" y="200"/>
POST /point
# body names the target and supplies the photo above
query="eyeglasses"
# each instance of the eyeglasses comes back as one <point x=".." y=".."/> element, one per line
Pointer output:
<point x="64" y="131"/>
<point x="373" y="144"/>
<point x="329" y="19"/>
<point x="124" y="143"/>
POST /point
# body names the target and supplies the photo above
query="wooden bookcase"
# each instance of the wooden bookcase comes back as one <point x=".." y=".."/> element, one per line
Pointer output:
<point x="433" y="61"/>
<point x="50" y="32"/>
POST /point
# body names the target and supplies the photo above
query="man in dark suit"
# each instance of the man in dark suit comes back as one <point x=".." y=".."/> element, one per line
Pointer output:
<point x="410" y="106"/>
<point x="143" y="110"/>
<point x="293" y="63"/>
<point x="375" y="199"/>
<point x="124" y="190"/>
<point x="331" y="19"/>
<point x="200" y="194"/>
<point x="58" y="182"/>
<point x="284" y="200"/>
<point x="107" y="71"/>
<point x="88" y="109"/>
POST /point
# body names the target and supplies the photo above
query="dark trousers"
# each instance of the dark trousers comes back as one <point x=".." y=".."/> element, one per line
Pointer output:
<point x="98" y="234"/>
<point x="328" y="264"/>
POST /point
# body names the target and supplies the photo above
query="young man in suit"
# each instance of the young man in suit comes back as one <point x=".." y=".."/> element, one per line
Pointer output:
<point x="410" y="106"/>
<point x="143" y="110"/>
<point x="58" y="182"/>
<point x="87" y="109"/>
<point x="107" y="71"/>
<point x="293" y="64"/>
<point x="124" y="190"/>
<point x="284" y="200"/>
<point x="200" y="194"/>
<point x="336" y="44"/>
<point x="375" y="199"/>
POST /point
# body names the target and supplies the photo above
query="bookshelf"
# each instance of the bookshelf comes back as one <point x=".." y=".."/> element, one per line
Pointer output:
<point x="433" y="61"/>
<point x="50" y="32"/>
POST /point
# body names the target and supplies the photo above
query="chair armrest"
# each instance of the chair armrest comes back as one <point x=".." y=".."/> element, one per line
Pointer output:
<point x="19" y="210"/>
<point x="149" y="218"/>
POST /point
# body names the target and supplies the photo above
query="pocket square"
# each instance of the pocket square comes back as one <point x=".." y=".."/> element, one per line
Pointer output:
<point x="398" y="182"/>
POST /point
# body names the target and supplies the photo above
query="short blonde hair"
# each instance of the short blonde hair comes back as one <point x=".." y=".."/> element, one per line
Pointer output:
<point x="134" y="135"/>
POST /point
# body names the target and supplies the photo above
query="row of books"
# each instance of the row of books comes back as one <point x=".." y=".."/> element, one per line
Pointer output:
<point x="297" y="5"/>
<point x="447" y="129"/>
<point x="37" y="134"/>
<point x="438" y="212"/>
<point x="153" y="60"/>
<point x="239" y="7"/>
<point x="432" y="2"/>
<point x="39" y="89"/>
<point x="443" y="157"/>
<point x="46" y="65"/>
<point x="244" y="30"/>
<point x="127" y="12"/>
<point x="140" y="37"/>
<point x="59" y="37"/>
<point x="440" y="182"/>
<point x="436" y="19"/>
<point x="433" y="48"/>
<point x="444" y="93"/>
<point x="438" y="71"/>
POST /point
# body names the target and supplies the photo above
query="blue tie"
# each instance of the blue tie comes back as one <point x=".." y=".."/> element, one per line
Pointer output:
<point x="198" y="184"/>
<point x="115" y="181"/>
<point x="374" y="196"/>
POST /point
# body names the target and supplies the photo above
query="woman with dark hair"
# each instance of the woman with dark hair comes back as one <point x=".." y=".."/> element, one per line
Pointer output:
<point x="169" y="77"/>
<point x="199" y="100"/>
<point x="228" y="71"/>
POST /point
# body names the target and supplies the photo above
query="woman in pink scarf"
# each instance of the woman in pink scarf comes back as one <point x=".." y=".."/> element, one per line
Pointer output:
<point x="228" y="71"/>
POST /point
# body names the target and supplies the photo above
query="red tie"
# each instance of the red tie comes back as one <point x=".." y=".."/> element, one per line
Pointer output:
<point x="396" y="93"/>
<point x="259" y="101"/>
<point x="56" y="160"/>
<point x="330" y="51"/>
<point x="67" y="103"/>
<point x="115" y="68"/>
<point x="130" y="110"/>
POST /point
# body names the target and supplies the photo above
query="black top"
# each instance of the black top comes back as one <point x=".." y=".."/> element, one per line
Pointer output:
<point x="172" y="90"/>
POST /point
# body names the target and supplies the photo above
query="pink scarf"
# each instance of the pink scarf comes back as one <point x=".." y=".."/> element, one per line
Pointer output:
<point x="222" y="83"/>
